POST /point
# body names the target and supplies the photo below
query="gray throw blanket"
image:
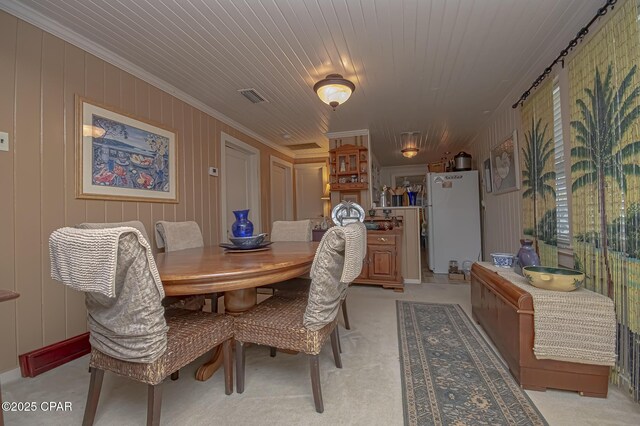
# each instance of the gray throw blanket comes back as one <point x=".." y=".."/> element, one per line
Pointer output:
<point x="123" y="291"/>
<point x="178" y="235"/>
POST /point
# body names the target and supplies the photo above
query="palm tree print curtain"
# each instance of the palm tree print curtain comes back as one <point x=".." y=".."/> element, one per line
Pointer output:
<point x="538" y="175"/>
<point x="605" y="175"/>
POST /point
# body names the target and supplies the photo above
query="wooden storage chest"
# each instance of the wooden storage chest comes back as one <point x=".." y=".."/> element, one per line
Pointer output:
<point x="505" y="312"/>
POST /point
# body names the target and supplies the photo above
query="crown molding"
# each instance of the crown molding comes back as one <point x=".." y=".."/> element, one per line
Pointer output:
<point x="47" y="24"/>
<point x="348" y="133"/>
<point x="324" y="154"/>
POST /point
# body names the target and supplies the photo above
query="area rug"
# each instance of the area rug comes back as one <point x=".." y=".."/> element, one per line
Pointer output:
<point x="450" y="374"/>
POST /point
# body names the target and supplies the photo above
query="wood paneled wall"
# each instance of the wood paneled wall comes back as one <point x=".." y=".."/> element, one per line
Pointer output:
<point x="39" y="78"/>
<point x="502" y="214"/>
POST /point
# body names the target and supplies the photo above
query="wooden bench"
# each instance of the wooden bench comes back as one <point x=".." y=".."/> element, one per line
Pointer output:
<point x="505" y="312"/>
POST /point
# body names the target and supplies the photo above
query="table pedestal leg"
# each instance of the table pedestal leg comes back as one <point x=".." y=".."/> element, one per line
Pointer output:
<point x="235" y="303"/>
<point x="239" y="301"/>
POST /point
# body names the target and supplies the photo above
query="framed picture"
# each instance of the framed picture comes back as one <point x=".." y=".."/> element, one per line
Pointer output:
<point x="505" y="168"/>
<point x="487" y="176"/>
<point x="404" y="180"/>
<point x="354" y="197"/>
<point x="123" y="157"/>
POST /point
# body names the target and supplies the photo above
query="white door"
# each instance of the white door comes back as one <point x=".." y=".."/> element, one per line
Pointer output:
<point x="281" y="199"/>
<point x="309" y="190"/>
<point x="240" y="183"/>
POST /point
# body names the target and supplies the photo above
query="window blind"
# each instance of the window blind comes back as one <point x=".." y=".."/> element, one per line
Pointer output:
<point x="562" y="199"/>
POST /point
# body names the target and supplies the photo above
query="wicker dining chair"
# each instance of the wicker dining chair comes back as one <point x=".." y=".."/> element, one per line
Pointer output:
<point x="191" y="334"/>
<point x="298" y="287"/>
<point x="131" y="334"/>
<point x="304" y="325"/>
<point x="174" y="236"/>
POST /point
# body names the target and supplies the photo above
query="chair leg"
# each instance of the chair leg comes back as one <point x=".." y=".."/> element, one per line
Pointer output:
<point x="95" y="385"/>
<point x="214" y="303"/>
<point x="338" y="334"/>
<point x="314" y="364"/>
<point x="240" y="366"/>
<point x="345" y="315"/>
<point x="175" y="375"/>
<point x="335" y="344"/>
<point x="272" y="351"/>
<point x="154" y="403"/>
<point x="227" y="354"/>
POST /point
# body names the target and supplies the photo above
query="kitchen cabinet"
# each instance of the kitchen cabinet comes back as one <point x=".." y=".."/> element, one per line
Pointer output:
<point x="349" y="168"/>
<point x="382" y="264"/>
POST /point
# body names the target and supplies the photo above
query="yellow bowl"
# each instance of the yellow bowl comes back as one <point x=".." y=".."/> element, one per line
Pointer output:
<point x="558" y="279"/>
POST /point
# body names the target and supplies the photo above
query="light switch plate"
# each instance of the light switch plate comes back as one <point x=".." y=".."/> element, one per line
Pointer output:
<point x="4" y="141"/>
<point x="213" y="171"/>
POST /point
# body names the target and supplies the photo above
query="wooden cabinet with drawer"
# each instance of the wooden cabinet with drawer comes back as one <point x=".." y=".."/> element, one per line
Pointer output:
<point x="382" y="265"/>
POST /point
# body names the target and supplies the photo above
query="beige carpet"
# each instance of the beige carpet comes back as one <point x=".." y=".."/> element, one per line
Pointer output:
<point x="367" y="391"/>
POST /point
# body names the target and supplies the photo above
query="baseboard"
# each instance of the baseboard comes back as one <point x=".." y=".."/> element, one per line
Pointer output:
<point x="44" y="359"/>
<point x="412" y="281"/>
<point x="10" y="376"/>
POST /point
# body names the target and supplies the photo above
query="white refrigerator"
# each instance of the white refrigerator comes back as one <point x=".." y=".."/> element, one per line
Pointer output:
<point x="453" y="218"/>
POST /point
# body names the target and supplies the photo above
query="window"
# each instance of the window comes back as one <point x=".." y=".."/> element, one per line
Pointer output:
<point x="562" y="199"/>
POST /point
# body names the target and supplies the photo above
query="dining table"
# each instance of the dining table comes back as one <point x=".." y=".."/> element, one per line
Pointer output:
<point x="236" y="273"/>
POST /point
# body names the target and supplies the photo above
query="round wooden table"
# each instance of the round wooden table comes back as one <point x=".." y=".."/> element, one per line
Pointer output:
<point x="209" y="270"/>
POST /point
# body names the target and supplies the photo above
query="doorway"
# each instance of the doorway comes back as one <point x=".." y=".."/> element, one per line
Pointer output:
<point x="309" y="179"/>
<point x="281" y="198"/>
<point x="240" y="183"/>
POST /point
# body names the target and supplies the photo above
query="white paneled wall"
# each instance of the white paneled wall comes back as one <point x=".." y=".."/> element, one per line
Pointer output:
<point x="502" y="214"/>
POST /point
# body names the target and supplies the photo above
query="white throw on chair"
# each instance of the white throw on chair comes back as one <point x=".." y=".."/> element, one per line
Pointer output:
<point x="132" y="223"/>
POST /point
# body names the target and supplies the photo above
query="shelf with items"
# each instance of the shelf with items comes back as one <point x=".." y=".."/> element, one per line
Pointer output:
<point x="348" y="168"/>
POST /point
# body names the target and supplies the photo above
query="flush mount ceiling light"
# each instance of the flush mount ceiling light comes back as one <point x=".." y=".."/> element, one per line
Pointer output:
<point x="409" y="144"/>
<point x="334" y="90"/>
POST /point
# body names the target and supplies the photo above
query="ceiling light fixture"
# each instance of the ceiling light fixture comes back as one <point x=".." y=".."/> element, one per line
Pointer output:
<point x="334" y="90"/>
<point x="409" y="144"/>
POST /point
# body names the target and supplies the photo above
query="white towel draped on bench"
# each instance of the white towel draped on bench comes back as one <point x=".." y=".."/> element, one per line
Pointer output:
<point x="576" y="326"/>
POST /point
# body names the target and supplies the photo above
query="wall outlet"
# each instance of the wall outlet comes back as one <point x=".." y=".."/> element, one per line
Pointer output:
<point x="213" y="171"/>
<point x="4" y="141"/>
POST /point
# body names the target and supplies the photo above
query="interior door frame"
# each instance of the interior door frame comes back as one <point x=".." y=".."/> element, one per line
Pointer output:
<point x="325" y="178"/>
<point x="288" y="182"/>
<point x="254" y="182"/>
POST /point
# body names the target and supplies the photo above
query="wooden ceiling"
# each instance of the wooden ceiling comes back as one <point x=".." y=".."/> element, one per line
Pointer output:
<point x="440" y="67"/>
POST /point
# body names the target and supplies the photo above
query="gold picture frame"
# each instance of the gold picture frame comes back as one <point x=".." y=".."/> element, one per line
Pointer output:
<point x="123" y="157"/>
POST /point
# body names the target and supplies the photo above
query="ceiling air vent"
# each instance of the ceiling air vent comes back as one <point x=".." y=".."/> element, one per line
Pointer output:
<point x="252" y="95"/>
<point x="311" y="145"/>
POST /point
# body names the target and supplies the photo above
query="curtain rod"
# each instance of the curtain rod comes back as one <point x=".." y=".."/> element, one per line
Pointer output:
<point x="564" y="52"/>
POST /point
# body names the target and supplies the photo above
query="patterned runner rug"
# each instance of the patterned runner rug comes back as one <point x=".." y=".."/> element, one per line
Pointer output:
<point x="451" y="376"/>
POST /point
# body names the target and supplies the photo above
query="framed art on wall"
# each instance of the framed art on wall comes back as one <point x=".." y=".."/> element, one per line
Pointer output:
<point x="123" y="157"/>
<point x="354" y="197"/>
<point x="487" y="176"/>
<point x="505" y="168"/>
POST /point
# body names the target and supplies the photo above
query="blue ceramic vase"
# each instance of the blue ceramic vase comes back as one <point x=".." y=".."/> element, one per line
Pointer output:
<point x="412" y="198"/>
<point x="242" y="227"/>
